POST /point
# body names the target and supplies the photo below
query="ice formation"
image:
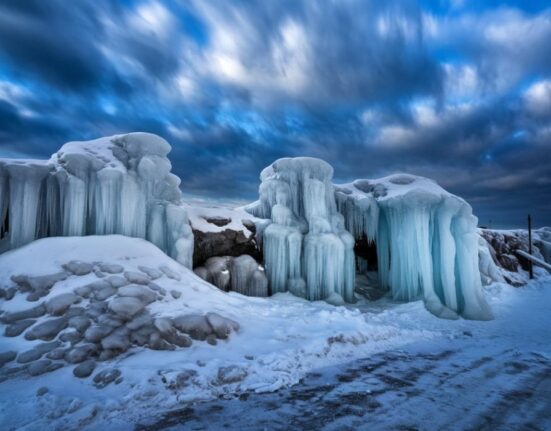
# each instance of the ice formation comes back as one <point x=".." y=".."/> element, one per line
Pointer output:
<point x="427" y="242"/>
<point x="426" y="238"/>
<point x="544" y="235"/>
<point x="241" y="274"/>
<point x="306" y="248"/>
<point x="489" y="271"/>
<point x="114" y="185"/>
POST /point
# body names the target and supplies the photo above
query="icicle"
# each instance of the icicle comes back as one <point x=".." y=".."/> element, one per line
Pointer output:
<point x="242" y="269"/>
<point x="218" y="271"/>
<point x="258" y="284"/>
<point x="25" y="186"/>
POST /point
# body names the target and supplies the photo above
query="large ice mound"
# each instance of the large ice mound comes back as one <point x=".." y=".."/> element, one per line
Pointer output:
<point x="114" y="185"/>
<point x="426" y="238"/>
<point x="427" y="241"/>
<point x="306" y="248"/>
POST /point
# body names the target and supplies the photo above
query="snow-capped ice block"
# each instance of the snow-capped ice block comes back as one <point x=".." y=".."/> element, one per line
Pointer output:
<point x="544" y="235"/>
<point x="489" y="271"/>
<point x="114" y="185"/>
<point x="305" y="245"/>
<point x="427" y="242"/>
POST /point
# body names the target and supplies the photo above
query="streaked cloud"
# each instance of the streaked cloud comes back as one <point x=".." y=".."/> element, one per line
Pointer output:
<point x="458" y="91"/>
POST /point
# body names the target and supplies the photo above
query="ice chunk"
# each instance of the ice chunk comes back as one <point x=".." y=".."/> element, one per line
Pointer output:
<point x="247" y="277"/>
<point x="306" y="238"/>
<point x="218" y="271"/>
<point x="195" y="325"/>
<point x="120" y="184"/>
<point x="60" y="303"/>
<point x="427" y="243"/>
<point x="126" y="307"/>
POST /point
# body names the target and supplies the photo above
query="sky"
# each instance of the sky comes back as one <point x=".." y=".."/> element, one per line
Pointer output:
<point x="458" y="91"/>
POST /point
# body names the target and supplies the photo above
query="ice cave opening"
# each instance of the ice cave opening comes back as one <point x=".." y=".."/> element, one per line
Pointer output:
<point x="367" y="269"/>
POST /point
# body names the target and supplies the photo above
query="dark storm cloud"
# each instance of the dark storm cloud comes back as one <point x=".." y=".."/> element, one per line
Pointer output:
<point x="51" y="41"/>
<point x="345" y="52"/>
<point x="453" y="91"/>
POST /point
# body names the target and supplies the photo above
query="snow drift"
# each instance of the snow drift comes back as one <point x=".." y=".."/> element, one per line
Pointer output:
<point x="114" y="185"/>
<point x="121" y="295"/>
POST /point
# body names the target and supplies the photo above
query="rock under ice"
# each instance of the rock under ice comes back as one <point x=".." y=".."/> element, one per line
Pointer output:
<point x="114" y="185"/>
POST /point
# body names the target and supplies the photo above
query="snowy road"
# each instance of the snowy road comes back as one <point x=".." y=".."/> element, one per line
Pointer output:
<point x="415" y="389"/>
<point x="497" y="377"/>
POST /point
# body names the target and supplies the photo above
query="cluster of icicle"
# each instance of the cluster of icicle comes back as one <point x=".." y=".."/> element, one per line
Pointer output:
<point x="427" y="243"/>
<point x="306" y="248"/>
<point x="114" y="185"/>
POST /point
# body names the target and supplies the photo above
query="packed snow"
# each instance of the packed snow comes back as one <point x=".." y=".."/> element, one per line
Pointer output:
<point x="474" y="375"/>
<point x="216" y="218"/>
<point x="279" y="341"/>
<point x="114" y="185"/>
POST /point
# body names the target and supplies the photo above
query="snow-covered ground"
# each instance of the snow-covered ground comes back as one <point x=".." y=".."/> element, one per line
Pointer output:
<point x="376" y="365"/>
<point x="468" y="375"/>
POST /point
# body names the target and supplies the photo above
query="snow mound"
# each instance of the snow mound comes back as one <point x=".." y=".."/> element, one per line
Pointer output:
<point x="306" y="242"/>
<point x="115" y="185"/>
<point x="427" y="242"/>
<point x="122" y="294"/>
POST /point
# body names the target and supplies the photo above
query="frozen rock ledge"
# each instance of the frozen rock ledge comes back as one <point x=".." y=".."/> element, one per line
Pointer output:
<point x="115" y="185"/>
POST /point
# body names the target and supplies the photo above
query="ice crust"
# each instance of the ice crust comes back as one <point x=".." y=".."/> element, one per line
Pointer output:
<point x="427" y="242"/>
<point x="306" y="243"/>
<point x="115" y="185"/>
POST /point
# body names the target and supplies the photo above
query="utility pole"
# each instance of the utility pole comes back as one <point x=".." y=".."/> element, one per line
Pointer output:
<point x="530" y="265"/>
